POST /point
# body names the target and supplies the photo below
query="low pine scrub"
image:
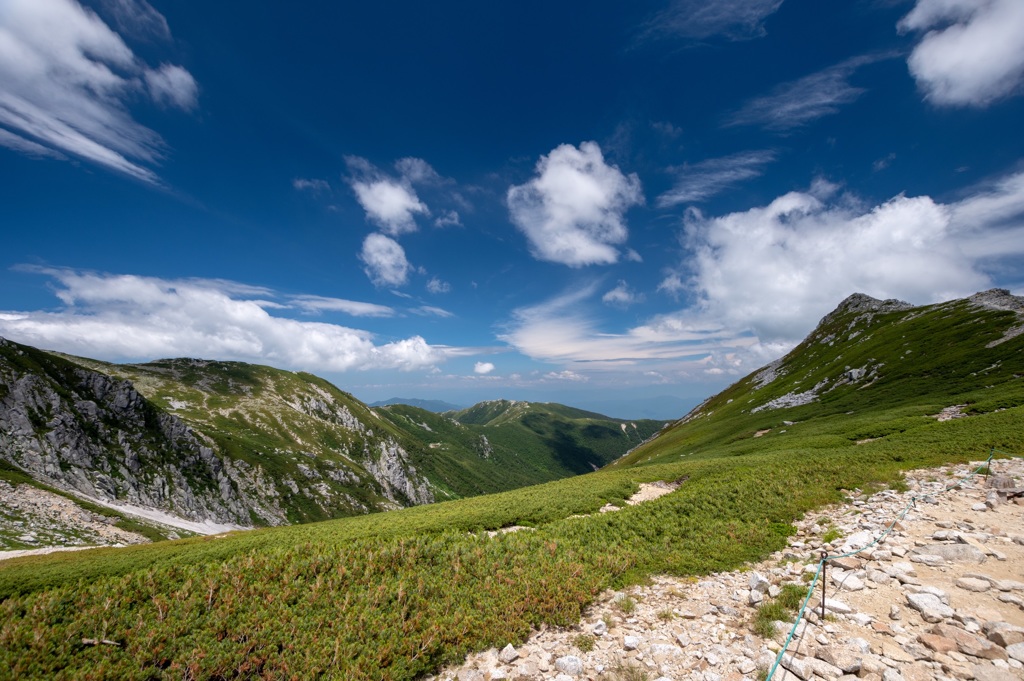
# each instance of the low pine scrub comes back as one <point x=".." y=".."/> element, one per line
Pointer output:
<point x="396" y="595"/>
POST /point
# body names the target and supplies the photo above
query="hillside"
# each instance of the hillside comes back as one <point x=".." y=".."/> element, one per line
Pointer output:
<point x="397" y="595"/>
<point x="870" y="369"/>
<point x="234" y="444"/>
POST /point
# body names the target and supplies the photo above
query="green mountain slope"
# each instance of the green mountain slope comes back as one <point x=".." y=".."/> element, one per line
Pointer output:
<point x="516" y="444"/>
<point x="870" y="369"/>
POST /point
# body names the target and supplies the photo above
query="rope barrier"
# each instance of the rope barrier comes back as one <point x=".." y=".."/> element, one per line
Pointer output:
<point x="825" y="558"/>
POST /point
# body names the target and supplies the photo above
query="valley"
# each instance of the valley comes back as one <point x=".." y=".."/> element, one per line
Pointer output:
<point x="398" y="595"/>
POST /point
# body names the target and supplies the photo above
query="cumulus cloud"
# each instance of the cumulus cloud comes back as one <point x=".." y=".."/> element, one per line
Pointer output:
<point x="391" y="202"/>
<point x="621" y="296"/>
<point x="971" y="53"/>
<point x="66" y="78"/>
<point x="483" y="368"/>
<point x="572" y="212"/>
<point x="392" y="205"/>
<point x="129" y="317"/>
<point x="705" y="179"/>
<point x="777" y="269"/>
<point x="699" y="19"/>
<point x="385" y="261"/>
<point x="796" y="103"/>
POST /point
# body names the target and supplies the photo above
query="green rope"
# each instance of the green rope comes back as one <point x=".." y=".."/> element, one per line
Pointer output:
<point x="902" y="514"/>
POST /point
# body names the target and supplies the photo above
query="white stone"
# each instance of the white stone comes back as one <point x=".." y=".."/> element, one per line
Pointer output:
<point x="570" y="664"/>
<point x="631" y="642"/>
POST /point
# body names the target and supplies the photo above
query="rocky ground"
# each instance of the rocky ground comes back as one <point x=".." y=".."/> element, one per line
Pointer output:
<point x="942" y="597"/>
<point x="36" y="521"/>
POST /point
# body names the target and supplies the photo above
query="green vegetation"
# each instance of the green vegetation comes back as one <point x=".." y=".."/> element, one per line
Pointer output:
<point x="783" y="608"/>
<point x="583" y="642"/>
<point x="831" y="535"/>
<point x="396" y="595"/>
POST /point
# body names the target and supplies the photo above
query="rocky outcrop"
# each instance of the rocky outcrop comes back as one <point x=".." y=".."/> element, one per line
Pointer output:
<point x="85" y="432"/>
<point x="391" y="468"/>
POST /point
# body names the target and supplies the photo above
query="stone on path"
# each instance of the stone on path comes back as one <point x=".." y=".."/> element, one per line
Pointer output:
<point x="973" y="584"/>
<point x="930" y="607"/>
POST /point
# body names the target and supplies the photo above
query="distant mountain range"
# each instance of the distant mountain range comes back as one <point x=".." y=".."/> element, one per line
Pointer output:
<point x="436" y="406"/>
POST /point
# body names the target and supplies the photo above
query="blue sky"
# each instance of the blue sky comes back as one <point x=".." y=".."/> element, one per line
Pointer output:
<point x="618" y="206"/>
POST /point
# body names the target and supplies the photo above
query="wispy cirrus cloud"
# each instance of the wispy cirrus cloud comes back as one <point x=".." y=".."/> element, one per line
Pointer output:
<point x="316" y="304"/>
<point x="971" y="53"/>
<point x="560" y="330"/>
<point x="131" y="317"/>
<point x="699" y="19"/>
<point x="797" y="103"/>
<point x="707" y="178"/>
<point x="66" y="79"/>
<point x="573" y="210"/>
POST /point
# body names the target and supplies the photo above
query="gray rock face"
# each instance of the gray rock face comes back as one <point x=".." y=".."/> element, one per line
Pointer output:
<point x="88" y="433"/>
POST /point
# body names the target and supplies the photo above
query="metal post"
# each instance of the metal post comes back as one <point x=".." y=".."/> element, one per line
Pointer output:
<point x="824" y="563"/>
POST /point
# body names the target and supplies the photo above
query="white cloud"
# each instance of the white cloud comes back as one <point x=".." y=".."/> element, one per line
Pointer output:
<point x="621" y="296"/>
<point x="672" y="284"/>
<point x="565" y="375"/>
<point x="699" y="19"/>
<point x="385" y="260"/>
<point x="431" y="311"/>
<point x="561" y="331"/>
<point x="418" y="171"/>
<point x="66" y="79"/>
<point x="796" y="103"/>
<point x="137" y="18"/>
<point x="435" y="285"/>
<point x="712" y="176"/>
<point x="314" y="185"/>
<point x="777" y="269"/>
<point x="128" y="317"/>
<point x="573" y="211"/>
<point x="355" y="308"/>
<point x="28" y="147"/>
<point x="448" y="218"/>
<point x="483" y="368"/>
<point x="972" y="53"/>
<point x="172" y="85"/>
<point x="390" y="204"/>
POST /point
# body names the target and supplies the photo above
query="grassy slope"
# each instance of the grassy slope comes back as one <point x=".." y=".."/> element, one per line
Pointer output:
<point x="394" y="595"/>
